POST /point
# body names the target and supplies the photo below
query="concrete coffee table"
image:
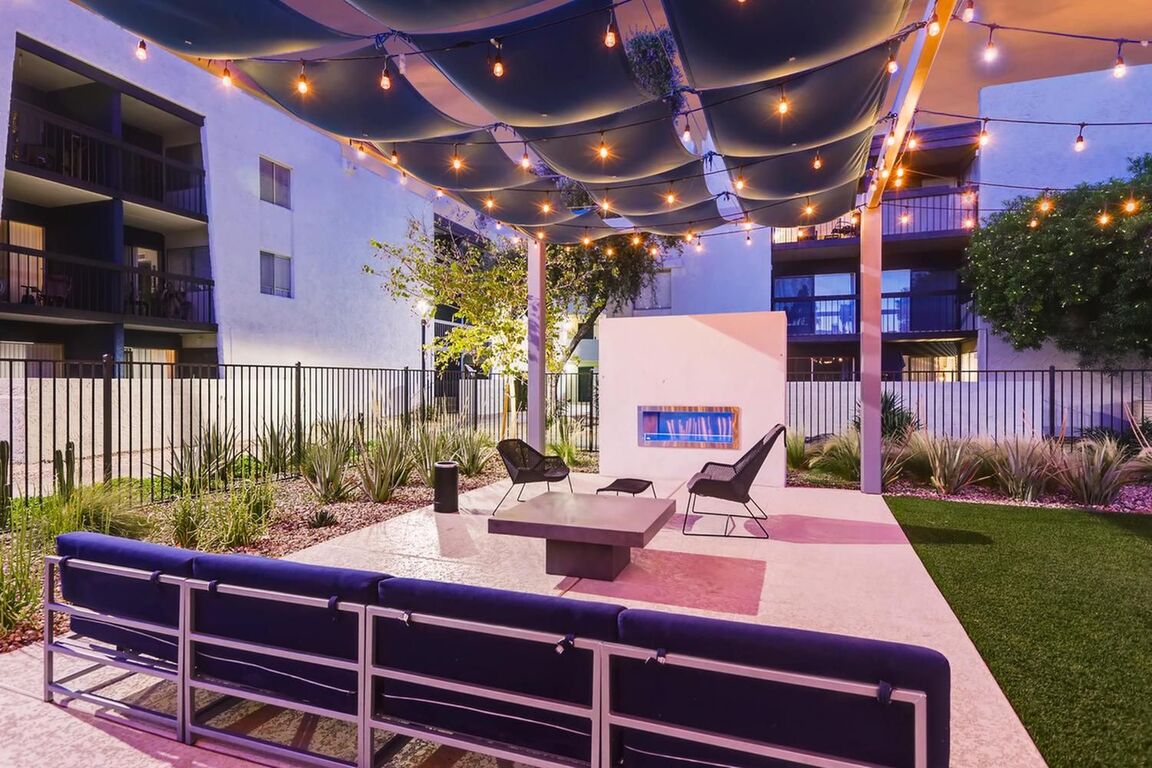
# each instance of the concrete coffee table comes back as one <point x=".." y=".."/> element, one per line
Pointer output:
<point x="586" y="535"/>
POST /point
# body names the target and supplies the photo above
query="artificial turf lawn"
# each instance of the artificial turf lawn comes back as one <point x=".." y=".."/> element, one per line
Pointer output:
<point x="1059" y="603"/>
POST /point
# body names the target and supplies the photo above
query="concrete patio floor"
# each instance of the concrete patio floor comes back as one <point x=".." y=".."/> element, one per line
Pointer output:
<point x="837" y="562"/>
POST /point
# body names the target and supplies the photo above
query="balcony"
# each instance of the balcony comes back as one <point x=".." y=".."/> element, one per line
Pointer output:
<point x="38" y="284"/>
<point x="54" y="147"/>
<point x="905" y="215"/>
<point x="902" y="314"/>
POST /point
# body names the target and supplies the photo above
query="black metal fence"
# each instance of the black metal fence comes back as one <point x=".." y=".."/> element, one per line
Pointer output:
<point x="995" y="404"/>
<point x="134" y="422"/>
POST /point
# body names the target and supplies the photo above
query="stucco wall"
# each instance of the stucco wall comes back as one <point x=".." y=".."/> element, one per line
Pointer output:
<point x="1042" y="156"/>
<point x="733" y="359"/>
<point x="338" y="315"/>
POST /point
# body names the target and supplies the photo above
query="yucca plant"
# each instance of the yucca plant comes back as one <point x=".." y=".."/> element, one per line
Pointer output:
<point x="429" y="445"/>
<point x="323" y="468"/>
<point x="277" y="448"/>
<point x="955" y="464"/>
<point x="796" y="450"/>
<point x="219" y="453"/>
<point x="472" y="449"/>
<point x="1022" y="468"/>
<point x="340" y="434"/>
<point x="1093" y="471"/>
<point x="384" y="464"/>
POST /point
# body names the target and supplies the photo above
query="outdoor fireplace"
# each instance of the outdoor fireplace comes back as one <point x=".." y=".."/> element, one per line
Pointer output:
<point x="688" y="426"/>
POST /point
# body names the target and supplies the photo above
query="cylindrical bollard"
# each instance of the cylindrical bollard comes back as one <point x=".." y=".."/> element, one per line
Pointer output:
<point x="446" y="484"/>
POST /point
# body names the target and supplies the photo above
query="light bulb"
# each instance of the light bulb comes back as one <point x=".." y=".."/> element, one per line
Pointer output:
<point x="604" y="206"/>
<point x="817" y="162"/>
<point x="991" y="53"/>
<point x="546" y="207"/>
<point x="1080" y="144"/>
<point x="1119" y="69"/>
<point x="525" y="162"/>
<point x="885" y="173"/>
<point x="602" y="150"/>
<point x="457" y="163"/>
<point x="1104" y="219"/>
<point x="747" y="225"/>
<point x="905" y="217"/>
<point x="1045" y="205"/>
<point x="1130" y="206"/>
<point x="699" y="245"/>
<point x="968" y="198"/>
<point x="395" y="157"/>
<point x="302" y="81"/>
<point x="654" y="251"/>
<point x="610" y="37"/>
<point x="969" y="223"/>
<point x="748" y="239"/>
<point x="670" y="198"/>
<point x="913" y="143"/>
<point x="984" y="136"/>
<point x="1034" y="223"/>
<point x="635" y="239"/>
<point x="739" y="183"/>
<point x="969" y="12"/>
<point x="891" y="138"/>
<point x="226" y="77"/>
<point x="610" y="251"/>
<point x="893" y="65"/>
<point x="404" y="177"/>
<point x="809" y="209"/>
<point x="783" y="106"/>
<point x="439" y="192"/>
<point x="934" y="25"/>
<point x="489" y="203"/>
<point x="586" y="241"/>
<point x="385" y="78"/>
<point x="142" y="51"/>
<point x="360" y="153"/>
<point x="899" y="171"/>
<point x="686" y="136"/>
<point x="498" y="66"/>
<point x="688" y="236"/>
<point x="899" y="183"/>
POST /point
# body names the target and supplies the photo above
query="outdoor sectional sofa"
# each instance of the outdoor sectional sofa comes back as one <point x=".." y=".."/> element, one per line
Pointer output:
<point x="536" y="679"/>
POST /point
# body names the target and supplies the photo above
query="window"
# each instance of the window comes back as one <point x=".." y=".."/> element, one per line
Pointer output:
<point x="657" y="294"/>
<point x="21" y="273"/>
<point x="149" y="362"/>
<point x="39" y="359"/>
<point x="275" y="274"/>
<point x="818" y="304"/>
<point x="275" y="183"/>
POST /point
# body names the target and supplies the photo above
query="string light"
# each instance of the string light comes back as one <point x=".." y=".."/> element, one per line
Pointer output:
<point x="688" y="236"/>
<point x="1080" y="144"/>
<point x="748" y="239"/>
<point x="891" y="139"/>
<point x="395" y="157"/>
<point x="610" y="251"/>
<point x="969" y="12"/>
<point x="913" y="142"/>
<point x="990" y="51"/>
<point x="782" y="106"/>
<point x="1034" y="223"/>
<point x="900" y="171"/>
<point x="817" y="162"/>
<point x="984" y="136"/>
<point x="1104" y="218"/>
<point x="385" y="78"/>
<point x="497" y="62"/>
<point x="142" y="51"/>
<point x="1119" y="69"/>
<point x="699" y="244"/>
<point x="360" y="153"/>
<point x="686" y="136"/>
<point x="610" y="35"/>
<point x="226" y="76"/>
<point x="587" y="241"/>
<point x="1045" y="205"/>
<point x="489" y="203"/>
<point x="969" y="223"/>
<point x="968" y="197"/>
<point x="439" y="192"/>
<point x="457" y="162"/>
<point x="302" y="81"/>
<point x="1131" y="206"/>
<point x="747" y="223"/>
<point x="899" y="182"/>
<point x="635" y="239"/>
<point x="546" y="206"/>
<point x="740" y="183"/>
<point x="604" y="205"/>
<point x="905" y="217"/>
<point x="809" y="209"/>
<point x="670" y="196"/>
<point x="893" y="65"/>
<point x="602" y="151"/>
<point x="654" y="251"/>
<point x="934" y="23"/>
<point x="404" y="177"/>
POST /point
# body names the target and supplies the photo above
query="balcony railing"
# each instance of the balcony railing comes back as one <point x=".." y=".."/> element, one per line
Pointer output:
<point x="930" y="312"/>
<point x="917" y="212"/>
<point x="48" y="282"/>
<point x="48" y="143"/>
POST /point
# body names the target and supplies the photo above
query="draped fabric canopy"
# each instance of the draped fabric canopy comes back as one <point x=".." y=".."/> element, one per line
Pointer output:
<point x="582" y="97"/>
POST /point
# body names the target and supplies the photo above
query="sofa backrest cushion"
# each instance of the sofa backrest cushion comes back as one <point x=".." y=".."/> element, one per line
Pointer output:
<point x="121" y="596"/>
<point x="492" y="661"/>
<point x="324" y="631"/>
<point x="844" y="725"/>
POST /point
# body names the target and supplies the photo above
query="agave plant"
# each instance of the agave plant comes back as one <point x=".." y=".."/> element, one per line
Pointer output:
<point x="955" y="464"/>
<point x="840" y="456"/>
<point x="384" y="464"/>
<point x="1094" y="471"/>
<point x="219" y="453"/>
<point x="471" y="449"/>
<point x="323" y="468"/>
<point x="429" y="445"/>
<point x="277" y="448"/>
<point x="1022" y="468"/>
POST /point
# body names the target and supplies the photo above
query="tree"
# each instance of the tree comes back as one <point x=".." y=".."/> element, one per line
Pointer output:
<point x="1073" y="268"/>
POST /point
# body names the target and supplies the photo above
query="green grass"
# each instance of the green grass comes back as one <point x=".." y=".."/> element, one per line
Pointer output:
<point x="1059" y="603"/>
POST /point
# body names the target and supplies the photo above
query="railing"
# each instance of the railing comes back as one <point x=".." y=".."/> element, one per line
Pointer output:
<point x="46" y="142"/>
<point x="138" y="421"/>
<point x="33" y="278"/>
<point x="916" y="212"/>
<point x="968" y="403"/>
<point x="927" y="312"/>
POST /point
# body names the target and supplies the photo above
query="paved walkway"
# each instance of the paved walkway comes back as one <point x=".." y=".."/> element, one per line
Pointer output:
<point x="837" y="562"/>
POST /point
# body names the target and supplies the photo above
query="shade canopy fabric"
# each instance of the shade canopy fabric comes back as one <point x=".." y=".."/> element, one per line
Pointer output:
<point x="824" y="105"/>
<point x="219" y="29"/>
<point x="586" y="225"/>
<point x="687" y="221"/>
<point x="428" y="15"/>
<point x="729" y="43"/>
<point x="522" y="206"/>
<point x="685" y="184"/>
<point x="336" y="100"/>
<point x="796" y="173"/>
<point x="483" y="164"/>
<point x="555" y="72"/>
<point x="640" y="141"/>
<point x="790" y="212"/>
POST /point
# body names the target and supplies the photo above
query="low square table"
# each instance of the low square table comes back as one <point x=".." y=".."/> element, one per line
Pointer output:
<point x="586" y="535"/>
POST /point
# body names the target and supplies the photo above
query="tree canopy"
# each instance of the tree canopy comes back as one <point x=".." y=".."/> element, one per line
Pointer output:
<point x="1073" y="268"/>
<point x="486" y="283"/>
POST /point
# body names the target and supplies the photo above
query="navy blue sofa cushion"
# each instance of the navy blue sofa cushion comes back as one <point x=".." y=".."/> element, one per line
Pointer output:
<point x="844" y="725"/>
<point x="323" y="631"/>
<point x="491" y="661"/>
<point x="124" y="597"/>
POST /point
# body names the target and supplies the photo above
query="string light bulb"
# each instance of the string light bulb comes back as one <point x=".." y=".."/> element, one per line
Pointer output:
<point x="439" y="192"/>
<point x="457" y="162"/>
<point x="610" y="36"/>
<point x="1104" y="218"/>
<point x="525" y="161"/>
<point x="1045" y="205"/>
<point x="587" y="241"/>
<point x="142" y="51"/>
<point x="747" y="223"/>
<point x="748" y="239"/>
<point x="968" y="197"/>
<point x="817" y="162"/>
<point x="1131" y="206"/>
<point x="900" y="171"/>
<point x="740" y="183"/>
<point x="891" y="139"/>
<point x="969" y="223"/>
<point x="905" y="217"/>
<point x="395" y="157"/>
<point x="934" y="24"/>
<point x="969" y="12"/>
<point x="893" y="65"/>
<point x="302" y="81"/>
<point x="699" y="244"/>
<point x="1034" y="223"/>
<point x="604" y="206"/>
<point x="686" y="136"/>
<point x="985" y="137"/>
<point x="602" y="151"/>
<point x="497" y="61"/>
<point x="654" y="251"/>
<point x="385" y="77"/>
<point x="688" y="236"/>
<point x="610" y="251"/>
<point x="635" y="239"/>
<point x="1119" y="69"/>
<point x="1080" y="144"/>
<point x="809" y="209"/>
<point x="546" y="206"/>
<point x="670" y="196"/>
<point x="782" y="106"/>
<point x="991" y="52"/>
<point x="226" y="76"/>
<point x="913" y="142"/>
<point x="360" y="153"/>
<point x="489" y="203"/>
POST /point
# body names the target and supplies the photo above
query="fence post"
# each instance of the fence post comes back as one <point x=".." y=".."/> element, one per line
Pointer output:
<point x="107" y="413"/>
<point x="297" y="408"/>
<point x="407" y="401"/>
<point x="1051" y="401"/>
<point x="475" y="402"/>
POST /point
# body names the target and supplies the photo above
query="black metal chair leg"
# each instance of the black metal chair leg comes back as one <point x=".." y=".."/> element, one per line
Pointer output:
<point x="763" y="514"/>
<point x="520" y="495"/>
<point x="570" y="490"/>
<point x="502" y="498"/>
<point x="759" y="524"/>
<point x="653" y="491"/>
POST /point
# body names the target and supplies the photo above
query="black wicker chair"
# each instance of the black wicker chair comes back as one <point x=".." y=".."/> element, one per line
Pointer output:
<point x="732" y="482"/>
<point x="527" y="465"/>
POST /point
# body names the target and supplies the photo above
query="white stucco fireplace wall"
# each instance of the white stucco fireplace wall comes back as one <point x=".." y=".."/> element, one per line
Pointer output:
<point x="735" y="359"/>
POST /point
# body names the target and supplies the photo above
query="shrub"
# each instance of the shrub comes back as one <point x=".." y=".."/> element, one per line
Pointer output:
<point x="321" y="517"/>
<point x="240" y="517"/>
<point x="323" y="467"/>
<point x="106" y="509"/>
<point x="955" y="464"/>
<point x="1021" y="468"/>
<point x="340" y="434"/>
<point x="562" y="444"/>
<point x="429" y="445"/>
<point x="20" y="553"/>
<point x="919" y="446"/>
<point x="895" y="420"/>
<point x="187" y="522"/>
<point x="796" y="449"/>
<point x="186" y="474"/>
<point x="219" y="453"/>
<point x="276" y="448"/>
<point x="384" y="464"/>
<point x="472" y="450"/>
<point x="5" y="483"/>
<point x="1094" y="471"/>
<point x="840" y="456"/>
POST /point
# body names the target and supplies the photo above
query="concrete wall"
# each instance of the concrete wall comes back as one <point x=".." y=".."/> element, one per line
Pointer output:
<point x="338" y="315"/>
<point x="1042" y="156"/>
<point x="735" y="359"/>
